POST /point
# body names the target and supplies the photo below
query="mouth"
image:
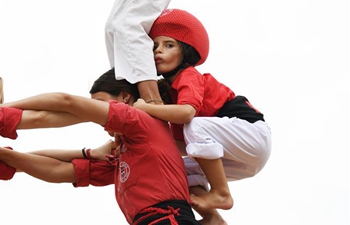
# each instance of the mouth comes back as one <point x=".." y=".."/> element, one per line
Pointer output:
<point x="158" y="60"/>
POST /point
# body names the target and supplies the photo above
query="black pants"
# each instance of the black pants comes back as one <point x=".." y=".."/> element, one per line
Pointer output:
<point x="172" y="212"/>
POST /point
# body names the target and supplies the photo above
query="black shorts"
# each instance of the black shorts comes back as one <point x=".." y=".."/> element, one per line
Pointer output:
<point x="163" y="212"/>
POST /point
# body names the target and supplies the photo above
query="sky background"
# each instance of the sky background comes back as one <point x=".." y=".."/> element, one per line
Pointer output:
<point x="290" y="58"/>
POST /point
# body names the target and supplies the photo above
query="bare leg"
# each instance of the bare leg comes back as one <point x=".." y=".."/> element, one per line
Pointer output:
<point x="149" y="91"/>
<point x="209" y="217"/>
<point x="219" y="196"/>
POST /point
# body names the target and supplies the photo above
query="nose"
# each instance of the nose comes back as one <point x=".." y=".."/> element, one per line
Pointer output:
<point x="157" y="49"/>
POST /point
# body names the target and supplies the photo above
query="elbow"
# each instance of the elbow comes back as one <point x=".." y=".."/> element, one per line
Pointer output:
<point x="59" y="101"/>
<point x="186" y="119"/>
<point x="188" y="115"/>
<point x="63" y="101"/>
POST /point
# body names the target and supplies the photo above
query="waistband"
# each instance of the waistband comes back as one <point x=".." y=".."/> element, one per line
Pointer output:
<point x="241" y="108"/>
<point x="172" y="212"/>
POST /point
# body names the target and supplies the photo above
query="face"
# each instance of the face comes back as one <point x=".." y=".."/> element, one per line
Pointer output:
<point x="167" y="54"/>
<point x="122" y="97"/>
<point x="104" y="96"/>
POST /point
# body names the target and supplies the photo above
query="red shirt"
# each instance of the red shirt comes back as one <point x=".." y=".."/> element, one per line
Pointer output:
<point x="150" y="169"/>
<point x="203" y="92"/>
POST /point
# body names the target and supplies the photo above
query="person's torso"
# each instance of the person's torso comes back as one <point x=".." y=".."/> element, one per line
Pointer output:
<point x="203" y="92"/>
<point x="206" y="94"/>
<point x="151" y="168"/>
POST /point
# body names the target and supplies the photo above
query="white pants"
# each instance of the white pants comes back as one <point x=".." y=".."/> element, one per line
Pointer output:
<point x="244" y="147"/>
<point x="129" y="48"/>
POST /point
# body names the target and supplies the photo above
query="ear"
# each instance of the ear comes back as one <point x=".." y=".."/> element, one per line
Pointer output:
<point x="126" y="96"/>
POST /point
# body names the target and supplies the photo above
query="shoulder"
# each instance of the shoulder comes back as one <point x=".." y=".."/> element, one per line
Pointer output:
<point x="191" y="71"/>
<point x="189" y="75"/>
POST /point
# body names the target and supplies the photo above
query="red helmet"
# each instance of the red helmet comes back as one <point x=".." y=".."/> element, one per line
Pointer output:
<point x="184" y="27"/>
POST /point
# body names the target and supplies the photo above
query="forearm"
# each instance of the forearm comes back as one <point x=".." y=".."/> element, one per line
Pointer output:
<point x="68" y="155"/>
<point x="42" y="167"/>
<point x="179" y="114"/>
<point x="46" y="119"/>
<point x="47" y="101"/>
<point x="81" y="107"/>
<point x="62" y="155"/>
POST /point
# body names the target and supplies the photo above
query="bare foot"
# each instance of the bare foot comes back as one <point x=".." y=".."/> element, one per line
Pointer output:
<point x="212" y="200"/>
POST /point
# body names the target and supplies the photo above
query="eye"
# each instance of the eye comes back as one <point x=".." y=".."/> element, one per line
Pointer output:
<point x="155" y="46"/>
<point x="169" y="45"/>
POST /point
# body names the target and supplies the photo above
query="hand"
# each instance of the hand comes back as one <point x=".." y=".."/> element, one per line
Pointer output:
<point x="139" y="104"/>
<point x="104" y="150"/>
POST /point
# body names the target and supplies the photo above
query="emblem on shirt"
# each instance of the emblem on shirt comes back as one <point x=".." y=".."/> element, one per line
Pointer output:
<point x="124" y="169"/>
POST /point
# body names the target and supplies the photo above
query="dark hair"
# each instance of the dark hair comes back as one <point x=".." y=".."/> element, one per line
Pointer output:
<point x="107" y="83"/>
<point x="191" y="56"/>
<point x="164" y="90"/>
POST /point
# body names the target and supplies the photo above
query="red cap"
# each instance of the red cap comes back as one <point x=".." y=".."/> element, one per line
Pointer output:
<point x="184" y="27"/>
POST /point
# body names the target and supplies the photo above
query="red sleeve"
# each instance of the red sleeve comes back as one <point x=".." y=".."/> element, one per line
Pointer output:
<point x="120" y="117"/>
<point x="94" y="172"/>
<point x="190" y="89"/>
<point x="6" y="172"/>
<point x="128" y="120"/>
<point x="10" y="117"/>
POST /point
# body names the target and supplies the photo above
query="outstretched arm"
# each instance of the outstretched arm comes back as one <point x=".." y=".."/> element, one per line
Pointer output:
<point x="32" y="119"/>
<point x="68" y="155"/>
<point x="51" y="165"/>
<point x="41" y="167"/>
<point x="173" y="113"/>
<point x="85" y="109"/>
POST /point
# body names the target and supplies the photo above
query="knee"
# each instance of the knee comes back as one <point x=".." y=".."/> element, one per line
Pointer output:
<point x="194" y="124"/>
<point x="193" y="130"/>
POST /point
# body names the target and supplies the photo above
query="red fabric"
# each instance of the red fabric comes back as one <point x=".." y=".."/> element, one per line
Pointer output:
<point x="170" y="215"/>
<point x="9" y="119"/>
<point x="203" y="92"/>
<point x="94" y="172"/>
<point x="6" y="172"/>
<point x="150" y="163"/>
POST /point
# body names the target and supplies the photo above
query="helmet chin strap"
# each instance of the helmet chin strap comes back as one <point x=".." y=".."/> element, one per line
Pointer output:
<point x="174" y="71"/>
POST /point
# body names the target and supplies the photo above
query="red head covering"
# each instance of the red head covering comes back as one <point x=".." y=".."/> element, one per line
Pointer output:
<point x="184" y="27"/>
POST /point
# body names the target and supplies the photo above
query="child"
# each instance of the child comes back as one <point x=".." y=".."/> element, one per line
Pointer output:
<point x="223" y="132"/>
<point x="129" y="47"/>
<point x="143" y="196"/>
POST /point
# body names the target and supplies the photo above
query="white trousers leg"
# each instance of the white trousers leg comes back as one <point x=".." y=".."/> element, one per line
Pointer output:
<point x="244" y="147"/>
<point x="129" y="48"/>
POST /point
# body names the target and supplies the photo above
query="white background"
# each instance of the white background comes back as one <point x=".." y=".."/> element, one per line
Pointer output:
<point x="290" y="58"/>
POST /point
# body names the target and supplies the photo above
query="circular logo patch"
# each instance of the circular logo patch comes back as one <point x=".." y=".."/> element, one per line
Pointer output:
<point x="124" y="169"/>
